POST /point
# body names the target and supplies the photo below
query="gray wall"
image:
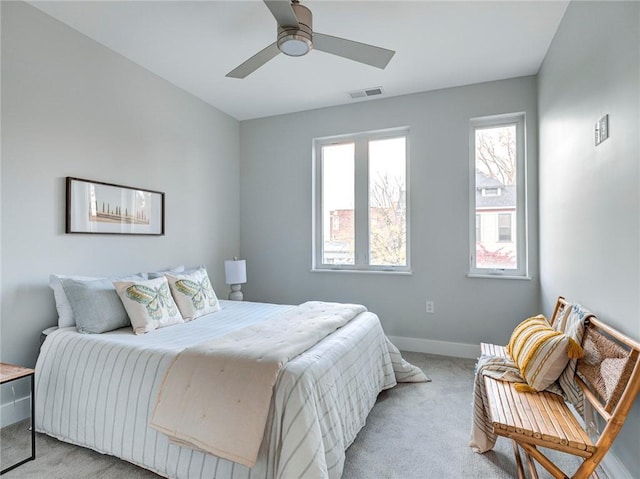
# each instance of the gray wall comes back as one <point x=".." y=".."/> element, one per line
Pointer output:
<point x="589" y="196"/>
<point x="71" y="107"/>
<point x="276" y="205"/>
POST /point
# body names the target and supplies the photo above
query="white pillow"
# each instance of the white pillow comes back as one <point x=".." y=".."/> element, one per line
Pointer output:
<point x="161" y="273"/>
<point x="148" y="303"/>
<point x="193" y="293"/>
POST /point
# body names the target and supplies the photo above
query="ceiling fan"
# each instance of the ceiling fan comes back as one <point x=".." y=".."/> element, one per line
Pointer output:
<point x="296" y="38"/>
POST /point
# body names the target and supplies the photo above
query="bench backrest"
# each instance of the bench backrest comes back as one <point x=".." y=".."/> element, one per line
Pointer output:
<point x="608" y="375"/>
<point x="610" y="366"/>
<point x="558" y="312"/>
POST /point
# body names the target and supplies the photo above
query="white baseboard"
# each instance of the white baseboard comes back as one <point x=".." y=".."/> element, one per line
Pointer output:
<point x="613" y="468"/>
<point x="15" y="411"/>
<point x="442" y="348"/>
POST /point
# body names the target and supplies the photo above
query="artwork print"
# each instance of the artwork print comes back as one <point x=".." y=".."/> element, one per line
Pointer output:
<point x="104" y="208"/>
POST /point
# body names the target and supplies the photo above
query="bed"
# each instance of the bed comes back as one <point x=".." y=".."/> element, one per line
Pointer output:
<point x="99" y="390"/>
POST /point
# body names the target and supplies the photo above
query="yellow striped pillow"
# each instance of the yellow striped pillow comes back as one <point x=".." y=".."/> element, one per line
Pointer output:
<point x="540" y="352"/>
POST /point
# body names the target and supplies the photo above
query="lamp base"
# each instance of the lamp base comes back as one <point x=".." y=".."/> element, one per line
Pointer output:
<point x="236" y="294"/>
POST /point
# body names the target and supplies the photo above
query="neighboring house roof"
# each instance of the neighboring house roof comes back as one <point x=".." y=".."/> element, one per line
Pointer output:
<point x="484" y="181"/>
<point x="505" y="199"/>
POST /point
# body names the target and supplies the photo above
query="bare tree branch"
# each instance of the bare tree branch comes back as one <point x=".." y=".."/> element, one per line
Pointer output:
<point x="496" y="153"/>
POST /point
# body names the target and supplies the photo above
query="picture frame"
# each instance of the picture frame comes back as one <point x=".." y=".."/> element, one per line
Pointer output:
<point x="95" y="207"/>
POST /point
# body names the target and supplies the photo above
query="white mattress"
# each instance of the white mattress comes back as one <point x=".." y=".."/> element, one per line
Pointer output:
<point x="98" y="391"/>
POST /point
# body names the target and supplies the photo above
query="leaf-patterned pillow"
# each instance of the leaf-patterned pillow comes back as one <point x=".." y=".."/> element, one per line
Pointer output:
<point x="193" y="293"/>
<point x="148" y="303"/>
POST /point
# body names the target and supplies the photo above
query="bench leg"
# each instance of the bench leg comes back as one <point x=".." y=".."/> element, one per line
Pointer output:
<point x="544" y="461"/>
<point x="532" y="466"/>
<point x="516" y="453"/>
<point x="533" y="473"/>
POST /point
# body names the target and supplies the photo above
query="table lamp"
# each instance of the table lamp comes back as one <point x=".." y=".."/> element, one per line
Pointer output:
<point x="235" y="274"/>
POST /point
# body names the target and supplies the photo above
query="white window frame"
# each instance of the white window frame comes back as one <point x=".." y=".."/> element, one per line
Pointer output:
<point x="361" y="179"/>
<point x="521" y="227"/>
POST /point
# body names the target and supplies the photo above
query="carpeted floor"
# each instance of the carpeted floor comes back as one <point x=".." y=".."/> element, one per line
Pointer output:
<point x="415" y="431"/>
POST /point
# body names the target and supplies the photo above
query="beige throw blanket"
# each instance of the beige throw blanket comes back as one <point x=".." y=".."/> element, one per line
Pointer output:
<point x="215" y="396"/>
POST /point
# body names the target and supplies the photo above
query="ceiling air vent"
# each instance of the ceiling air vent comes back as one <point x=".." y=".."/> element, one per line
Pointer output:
<point x="366" y="93"/>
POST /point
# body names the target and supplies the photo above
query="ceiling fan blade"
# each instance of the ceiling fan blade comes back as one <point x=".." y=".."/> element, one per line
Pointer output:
<point x="282" y="12"/>
<point x="255" y="62"/>
<point x="360" y="52"/>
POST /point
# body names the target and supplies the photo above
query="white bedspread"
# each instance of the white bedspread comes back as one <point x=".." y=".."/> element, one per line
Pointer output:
<point x="215" y="396"/>
<point x="98" y="391"/>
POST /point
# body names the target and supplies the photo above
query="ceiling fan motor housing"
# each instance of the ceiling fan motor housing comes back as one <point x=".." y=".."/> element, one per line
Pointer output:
<point x="297" y="41"/>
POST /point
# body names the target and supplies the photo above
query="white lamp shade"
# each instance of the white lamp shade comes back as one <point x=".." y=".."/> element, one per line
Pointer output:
<point x="235" y="271"/>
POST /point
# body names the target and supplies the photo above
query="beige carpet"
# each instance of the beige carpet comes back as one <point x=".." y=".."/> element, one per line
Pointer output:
<point x="415" y="431"/>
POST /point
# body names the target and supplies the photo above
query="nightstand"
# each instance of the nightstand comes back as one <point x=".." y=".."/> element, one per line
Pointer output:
<point x="8" y="373"/>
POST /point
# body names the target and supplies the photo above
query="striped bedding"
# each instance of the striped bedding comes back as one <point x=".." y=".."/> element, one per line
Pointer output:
<point x="98" y="391"/>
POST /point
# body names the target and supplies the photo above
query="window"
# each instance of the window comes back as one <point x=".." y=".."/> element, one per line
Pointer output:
<point x="490" y="191"/>
<point x="504" y="226"/>
<point x="360" y="202"/>
<point x="498" y="196"/>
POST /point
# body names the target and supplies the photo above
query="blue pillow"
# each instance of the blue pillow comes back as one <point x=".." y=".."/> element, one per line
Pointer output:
<point x="95" y="304"/>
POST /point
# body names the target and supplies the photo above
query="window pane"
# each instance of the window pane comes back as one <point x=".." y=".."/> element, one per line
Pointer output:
<point x="338" y="232"/>
<point x="495" y="197"/>
<point x="387" y="202"/>
<point x="504" y="227"/>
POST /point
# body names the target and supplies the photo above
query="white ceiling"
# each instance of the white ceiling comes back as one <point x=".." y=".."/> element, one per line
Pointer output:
<point x="438" y="44"/>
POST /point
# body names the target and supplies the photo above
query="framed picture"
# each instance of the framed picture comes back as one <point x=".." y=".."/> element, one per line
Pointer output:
<point x="95" y="207"/>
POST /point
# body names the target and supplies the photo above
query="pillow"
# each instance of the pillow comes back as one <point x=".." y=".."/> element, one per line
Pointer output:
<point x="540" y="352"/>
<point x="65" y="313"/>
<point x="521" y="329"/>
<point x="160" y="274"/>
<point x="95" y="305"/>
<point x="193" y="293"/>
<point x="148" y="303"/>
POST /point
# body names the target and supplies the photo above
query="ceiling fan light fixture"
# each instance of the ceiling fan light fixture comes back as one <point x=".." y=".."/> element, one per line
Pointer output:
<point x="294" y="45"/>
<point x="297" y="40"/>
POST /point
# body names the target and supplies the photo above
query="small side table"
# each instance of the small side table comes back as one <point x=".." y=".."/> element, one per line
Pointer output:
<point x="8" y="373"/>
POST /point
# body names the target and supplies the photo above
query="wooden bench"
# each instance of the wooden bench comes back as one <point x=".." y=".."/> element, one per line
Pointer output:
<point x="609" y="378"/>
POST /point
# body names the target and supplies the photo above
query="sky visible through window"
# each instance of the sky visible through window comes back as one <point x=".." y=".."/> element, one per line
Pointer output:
<point x="338" y="172"/>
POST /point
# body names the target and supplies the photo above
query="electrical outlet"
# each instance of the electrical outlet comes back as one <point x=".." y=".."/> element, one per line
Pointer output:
<point x="430" y="307"/>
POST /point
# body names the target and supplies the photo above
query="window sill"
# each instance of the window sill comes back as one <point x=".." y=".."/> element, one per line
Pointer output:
<point x="498" y="276"/>
<point x="362" y="271"/>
